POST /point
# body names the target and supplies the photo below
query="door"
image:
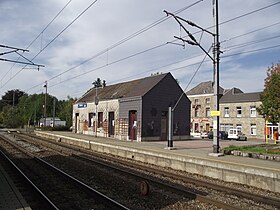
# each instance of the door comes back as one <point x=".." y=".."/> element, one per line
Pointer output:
<point x="163" y="126"/>
<point x="132" y="131"/>
<point x="77" y="123"/>
<point x="111" y="125"/>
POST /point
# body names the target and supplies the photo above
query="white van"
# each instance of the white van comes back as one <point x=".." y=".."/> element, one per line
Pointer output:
<point x="236" y="134"/>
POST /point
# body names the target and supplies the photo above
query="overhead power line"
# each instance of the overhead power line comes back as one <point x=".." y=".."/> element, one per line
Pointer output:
<point x="54" y="38"/>
<point x="131" y="36"/>
<point x="38" y="36"/>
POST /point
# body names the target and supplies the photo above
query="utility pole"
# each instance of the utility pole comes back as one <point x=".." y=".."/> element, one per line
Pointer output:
<point x="13" y="116"/>
<point x="45" y="106"/>
<point x="216" y="54"/>
<point x="96" y="115"/>
<point x="216" y="60"/>
<point x="53" y="111"/>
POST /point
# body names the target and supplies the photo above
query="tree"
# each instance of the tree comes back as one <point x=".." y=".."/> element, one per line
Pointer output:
<point x="11" y="98"/>
<point x="64" y="110"/>
<point x="270" y="98"/>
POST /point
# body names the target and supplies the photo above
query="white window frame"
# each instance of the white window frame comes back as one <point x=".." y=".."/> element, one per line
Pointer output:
<point x="238" y="109"/>
<point x="207" y="111"/>
<point x="196" y="100"/>
<point x="253" y="130"/>
<point x="208" y="100"/>
<point x="226" y="112"/>
<point x="239" y="127"/>
<point x="196" y="113"/>
<point x="253" y="111"/>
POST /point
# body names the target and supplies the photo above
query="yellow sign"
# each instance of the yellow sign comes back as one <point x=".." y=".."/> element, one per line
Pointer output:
<point x="215" y="113"/>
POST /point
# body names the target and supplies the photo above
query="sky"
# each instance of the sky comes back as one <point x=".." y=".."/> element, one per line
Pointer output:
<point x="78" y="41"/>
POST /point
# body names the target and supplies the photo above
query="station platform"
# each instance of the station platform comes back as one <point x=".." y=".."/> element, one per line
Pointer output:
<point x="189" y="155"/>
<point x="10" y="197"/>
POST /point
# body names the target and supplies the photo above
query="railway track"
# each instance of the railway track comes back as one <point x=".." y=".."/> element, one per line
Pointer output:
<point x="197" y="195"/>
<point x="59" y="189"/>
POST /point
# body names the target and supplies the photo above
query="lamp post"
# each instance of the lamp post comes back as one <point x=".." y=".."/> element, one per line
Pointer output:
<point x="45" y="106"/>
<point x="96" y="103"/>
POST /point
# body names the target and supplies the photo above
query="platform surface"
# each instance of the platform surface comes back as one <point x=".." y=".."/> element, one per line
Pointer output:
<point x="197" y="148"/>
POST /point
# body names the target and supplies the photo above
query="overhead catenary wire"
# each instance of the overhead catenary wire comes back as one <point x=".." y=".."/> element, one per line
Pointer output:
<point x="32" y="42"/>
<point x="54" y="39"/>
<point x="133" y="35"/>
<point x="210" y="27"/>
<point x="155" y="23"/>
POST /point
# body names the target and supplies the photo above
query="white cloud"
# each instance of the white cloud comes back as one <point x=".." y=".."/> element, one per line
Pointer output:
<point x="107" y="22"/>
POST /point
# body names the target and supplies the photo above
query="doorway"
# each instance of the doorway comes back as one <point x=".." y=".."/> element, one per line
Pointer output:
<point x="132" y="128"/>
<point x="111" y="125"/>
<point x="77" y="123"/>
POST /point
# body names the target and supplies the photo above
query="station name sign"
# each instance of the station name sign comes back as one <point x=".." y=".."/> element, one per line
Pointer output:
<point x="82" y="105"/>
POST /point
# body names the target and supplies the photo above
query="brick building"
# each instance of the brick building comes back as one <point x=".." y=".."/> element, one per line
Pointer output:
<point x="237" y="110"/>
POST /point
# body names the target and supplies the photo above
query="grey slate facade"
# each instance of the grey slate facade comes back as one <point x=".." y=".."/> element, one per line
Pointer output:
<point x="134" y="110"/>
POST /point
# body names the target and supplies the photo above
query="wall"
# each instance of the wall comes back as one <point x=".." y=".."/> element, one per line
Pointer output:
<point x="103" y="106"/>
<point x="126" y="105"/>
<point x="245" y="120"/>
<point x="156" y="101"/>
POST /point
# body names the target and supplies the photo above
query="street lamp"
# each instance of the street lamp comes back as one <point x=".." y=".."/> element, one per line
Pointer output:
<point x="45" y="106"/>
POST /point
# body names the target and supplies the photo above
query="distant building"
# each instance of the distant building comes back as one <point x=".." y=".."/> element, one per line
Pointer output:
<point x="237" y="110"/>
<point x="202" y="102"/>
<point x="134" y="110"/>
<point x="49" y="122"/>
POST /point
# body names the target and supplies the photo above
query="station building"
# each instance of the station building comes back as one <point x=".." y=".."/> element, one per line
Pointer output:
<point x="134" y="110"/>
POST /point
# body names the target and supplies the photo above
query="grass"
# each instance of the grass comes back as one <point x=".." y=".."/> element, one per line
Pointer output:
<point x="262" y="149"/>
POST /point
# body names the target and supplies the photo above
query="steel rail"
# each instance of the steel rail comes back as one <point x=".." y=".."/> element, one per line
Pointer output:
<point x="105" y="200"/>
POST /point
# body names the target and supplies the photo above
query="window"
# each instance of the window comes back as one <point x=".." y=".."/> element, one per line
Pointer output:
<point x="253" y="111"/>
<point x="239" y="127"/>
<point x="196" y="112"/>
<point x="253" y="129"/>
<point x="100" y="119"/>
<point x="207" y="100"/>
<point x="226" y="127"/>
<point x="226" y="112"/>
<point x="90" y="119"/>
<point x="207" y="112"/>
<point x="238" y="111"/>
<point x="196" y="101"/>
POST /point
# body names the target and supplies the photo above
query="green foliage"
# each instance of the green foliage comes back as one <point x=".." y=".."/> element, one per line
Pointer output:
<point x="270" y="98"/>
<point x="28" y="109"/>
<point x="262" y="149"/>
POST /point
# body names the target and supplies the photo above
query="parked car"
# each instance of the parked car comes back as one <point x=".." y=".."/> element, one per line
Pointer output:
<point x="222" y="135"/>
<point x="204" y="135"/>
<point x="236" y="134"/>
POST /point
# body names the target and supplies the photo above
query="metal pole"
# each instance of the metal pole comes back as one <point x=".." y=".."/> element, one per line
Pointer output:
<point x="45" y="106"/>
<point x="35" y="113"/>
<point x="96" y="103"/>
<point x="13" y="109"/>
<point x="216" y="52"/>
<point x="170" y="120"/>
<point x="53" y="112"/>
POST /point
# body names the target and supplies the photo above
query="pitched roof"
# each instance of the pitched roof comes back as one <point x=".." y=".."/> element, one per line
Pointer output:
<point x="234" y="96"/>
<point x="132" y="88"/>
<point x="203" y="88"/>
